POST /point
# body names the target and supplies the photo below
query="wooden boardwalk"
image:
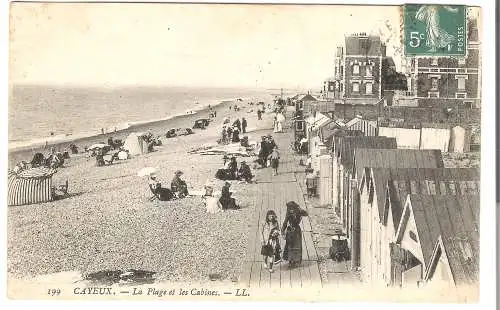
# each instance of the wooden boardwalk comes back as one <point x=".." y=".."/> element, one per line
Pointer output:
<point x="276" y="191"/>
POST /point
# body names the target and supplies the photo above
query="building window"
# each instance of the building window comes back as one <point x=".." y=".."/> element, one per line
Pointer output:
<point x="355" y="69"/>
<point x="369" y="70"/>
<point x="460" y="95"/>
<point x="369" y="88"/>
<point x="434" y="61"/>
<point x="461" y="61"/>
<point x="433" y="94"/>
<point x="355" y="87"/>
<point x="461" y="83"/>
<point x="434" y="83"/>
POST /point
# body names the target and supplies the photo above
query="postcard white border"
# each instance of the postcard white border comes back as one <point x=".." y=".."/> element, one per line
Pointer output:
<point x="488" y="218"/>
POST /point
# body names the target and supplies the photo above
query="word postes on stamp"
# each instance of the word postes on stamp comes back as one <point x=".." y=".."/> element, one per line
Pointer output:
<point x="435" y="30"/>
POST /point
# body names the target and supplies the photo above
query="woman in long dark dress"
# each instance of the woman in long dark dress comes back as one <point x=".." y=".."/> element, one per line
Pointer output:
<point x="227" y="202"/>
<point x="292" y="232"/>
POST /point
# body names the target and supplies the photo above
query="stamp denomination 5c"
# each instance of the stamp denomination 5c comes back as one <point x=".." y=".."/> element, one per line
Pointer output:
<point x="435" y="30"/>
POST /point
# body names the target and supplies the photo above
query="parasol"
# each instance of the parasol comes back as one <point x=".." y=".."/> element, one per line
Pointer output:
<point x="147" y="171"/>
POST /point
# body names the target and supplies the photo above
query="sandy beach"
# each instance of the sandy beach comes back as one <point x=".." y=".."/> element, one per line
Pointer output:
<point x="109" y="224"/>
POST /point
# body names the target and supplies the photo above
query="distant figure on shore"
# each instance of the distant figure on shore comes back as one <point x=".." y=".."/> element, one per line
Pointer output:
<point x="236" y="135"/>
<point x="179" y="186"/>
<point x="233" y="168"/>
<point x="259" y="114"/>
<point x="160" y="193"/>
<point x="226" y="201"/>
<point x="292" y="232"/>
<point x="229" y="108"/>
<point x="102" y="130"/>
<point x="223" y="135"/>
<point x="237" y="124"/>
<point x="244" y="125"/>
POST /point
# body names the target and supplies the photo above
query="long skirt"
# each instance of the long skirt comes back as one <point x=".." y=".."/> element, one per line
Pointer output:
<point x="228" y="203"/>
<point x="279" y="127"/>
<point x="275" y="163"/>
<point x="293" y="245"/>
<point x="164" y="194"/>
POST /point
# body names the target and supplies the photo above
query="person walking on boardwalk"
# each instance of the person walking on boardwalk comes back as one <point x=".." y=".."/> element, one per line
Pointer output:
<point x="259" y="114"/>
<point x="274" y="157"/>
<point x="292" y="233"/>
<point x="271" y="249"/>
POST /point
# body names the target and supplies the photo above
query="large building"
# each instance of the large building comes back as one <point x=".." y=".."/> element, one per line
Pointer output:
<point x="447" y="81"/>
<point x="358" y="70"/>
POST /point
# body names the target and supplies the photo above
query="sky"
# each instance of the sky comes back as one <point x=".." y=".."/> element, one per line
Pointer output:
<point x="258" y="46"/>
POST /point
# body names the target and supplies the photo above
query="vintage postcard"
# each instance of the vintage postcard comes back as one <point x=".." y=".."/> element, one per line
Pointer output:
<point x="184" y="151"/>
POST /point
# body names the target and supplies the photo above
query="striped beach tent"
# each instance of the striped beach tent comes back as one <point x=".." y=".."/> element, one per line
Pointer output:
<point x="30" y="186"/>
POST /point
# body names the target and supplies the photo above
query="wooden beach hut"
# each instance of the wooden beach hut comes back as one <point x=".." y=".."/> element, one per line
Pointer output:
<point x="382" y="195"/>
<point x="357" y="219"/>
<point x="427" y="218"/>
<point x="30" y="186"/>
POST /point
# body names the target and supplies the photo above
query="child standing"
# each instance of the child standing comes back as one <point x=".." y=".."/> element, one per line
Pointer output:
<point x="271" y="249"/>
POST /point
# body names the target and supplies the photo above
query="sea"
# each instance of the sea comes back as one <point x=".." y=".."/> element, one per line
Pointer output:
<point x="39" y="114"/>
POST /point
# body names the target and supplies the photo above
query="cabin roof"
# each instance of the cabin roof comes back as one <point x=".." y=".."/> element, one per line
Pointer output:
<point x="396" y="184"/>
<point x="346" y="145"/>
<point x="450" y="216"/>
<point x="395" y="158"/>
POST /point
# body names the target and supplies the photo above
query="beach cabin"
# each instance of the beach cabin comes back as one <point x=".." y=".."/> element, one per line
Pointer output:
<point x="367" y="127"/>
<point x="135" y="144"/>
<point x="455" y="259"/>
<point x="424" y="220"/>
<point x="419" y="136"/>
<point x="30" y="186"/>
<point x="342" y="166"/>
<point x="304" y="102"/>
<point x="317" y="147"/>
<point x="381" y="193"/>
<point x="377" y="158"/>
<point x="459" y="140"/>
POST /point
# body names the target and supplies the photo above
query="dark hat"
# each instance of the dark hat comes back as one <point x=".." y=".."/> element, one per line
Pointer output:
<point x="292" y="205"/>
<point x="178" y="172"/>
<point x="227" y="183"/>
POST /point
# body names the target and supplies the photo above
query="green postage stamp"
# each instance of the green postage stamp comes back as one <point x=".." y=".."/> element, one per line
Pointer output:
<point x="435" y="30"/>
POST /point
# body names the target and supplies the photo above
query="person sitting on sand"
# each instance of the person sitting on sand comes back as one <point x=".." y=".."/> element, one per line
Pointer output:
<point x="159" y="192"/>
<point x="226" y="201"/>
<point x="179" y="186"/>
<point x="245" y="173"/>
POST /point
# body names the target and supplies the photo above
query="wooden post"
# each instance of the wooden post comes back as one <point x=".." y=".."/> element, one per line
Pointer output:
<point x="356" y="229"/>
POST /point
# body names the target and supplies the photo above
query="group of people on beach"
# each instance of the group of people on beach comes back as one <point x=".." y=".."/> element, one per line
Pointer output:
<point x="231" y="133"/>
<point x="178" y="188"/>
<point x="230" y="170"/>
<point x="291" y="233"/>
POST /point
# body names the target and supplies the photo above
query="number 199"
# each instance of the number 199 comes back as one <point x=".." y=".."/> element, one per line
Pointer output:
<point x="54" y="292"/>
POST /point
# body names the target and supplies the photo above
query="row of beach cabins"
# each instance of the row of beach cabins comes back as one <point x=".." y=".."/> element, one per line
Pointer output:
<point x="409" y="221"/>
